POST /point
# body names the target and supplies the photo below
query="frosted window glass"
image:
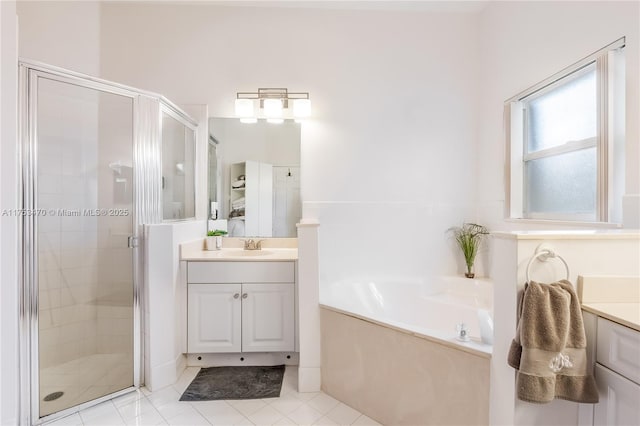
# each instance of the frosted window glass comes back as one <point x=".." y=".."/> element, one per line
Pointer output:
<point x="563" y="183"/>
<point x="566" y="113"/>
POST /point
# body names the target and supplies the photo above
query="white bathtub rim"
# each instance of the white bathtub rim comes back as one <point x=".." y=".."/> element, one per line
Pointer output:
<point x="474" y="346"/>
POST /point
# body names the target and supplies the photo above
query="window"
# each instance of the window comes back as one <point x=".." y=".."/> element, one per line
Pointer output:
<point x="565" y="139"/>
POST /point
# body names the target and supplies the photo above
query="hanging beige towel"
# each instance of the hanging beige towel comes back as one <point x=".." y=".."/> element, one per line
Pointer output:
<point x="549" y="350"/>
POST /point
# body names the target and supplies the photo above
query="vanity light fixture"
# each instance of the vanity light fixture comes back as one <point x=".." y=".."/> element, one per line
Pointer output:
<point x="244" y="110"/>
<point x="273" y="110"/>
<point x="301" y="109"/>
<point x="273" y="104"/>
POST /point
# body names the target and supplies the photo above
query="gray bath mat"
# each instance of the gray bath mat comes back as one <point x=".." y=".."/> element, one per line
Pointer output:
<point x="235" y="383"/>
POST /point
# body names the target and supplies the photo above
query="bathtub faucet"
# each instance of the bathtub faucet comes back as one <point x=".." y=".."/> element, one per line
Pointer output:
<point x="252" y="244"/>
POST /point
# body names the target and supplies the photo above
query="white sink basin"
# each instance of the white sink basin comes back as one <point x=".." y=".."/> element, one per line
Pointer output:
<point x="243" y="253"/>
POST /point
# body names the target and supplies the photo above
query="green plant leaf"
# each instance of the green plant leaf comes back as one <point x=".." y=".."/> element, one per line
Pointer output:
<point x="469" y="236"/>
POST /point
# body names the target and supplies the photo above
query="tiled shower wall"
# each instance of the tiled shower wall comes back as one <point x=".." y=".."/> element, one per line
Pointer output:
<point x="68" y="259"/>
<point x="115" y="260"/>
<point x="85" y="266"/>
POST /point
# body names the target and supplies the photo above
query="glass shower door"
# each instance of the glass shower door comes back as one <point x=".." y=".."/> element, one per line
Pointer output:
<point x="84" y="198"/>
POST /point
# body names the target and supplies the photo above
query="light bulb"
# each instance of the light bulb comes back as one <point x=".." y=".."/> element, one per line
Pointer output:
<point x="273" y="108"/>
<point x="301" y="108"/>
<point x="244" y="108"/>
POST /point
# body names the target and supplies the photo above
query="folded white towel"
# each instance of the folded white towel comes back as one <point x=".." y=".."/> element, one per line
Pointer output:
<point x="238" y="204"/>
<point x="238" y="184"/>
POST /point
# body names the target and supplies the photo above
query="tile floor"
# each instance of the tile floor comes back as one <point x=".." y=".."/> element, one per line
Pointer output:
<point x="163" y="408"/>
<point x="84" y="379"/>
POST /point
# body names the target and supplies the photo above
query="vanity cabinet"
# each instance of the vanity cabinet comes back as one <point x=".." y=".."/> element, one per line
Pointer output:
<point x="617" y="373"/>
<point x="241" y="307"/>
<point x="267" y="317"/>
<point x="214" y="318"/>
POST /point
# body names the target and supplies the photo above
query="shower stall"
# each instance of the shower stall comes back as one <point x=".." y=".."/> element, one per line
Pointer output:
<point x="91" y="176"/>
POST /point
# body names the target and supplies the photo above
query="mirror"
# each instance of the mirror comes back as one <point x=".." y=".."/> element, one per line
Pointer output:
<point x="256" y="179"/>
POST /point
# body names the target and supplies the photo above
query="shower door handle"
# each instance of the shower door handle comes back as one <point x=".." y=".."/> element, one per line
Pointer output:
<point x="132" y="241"/>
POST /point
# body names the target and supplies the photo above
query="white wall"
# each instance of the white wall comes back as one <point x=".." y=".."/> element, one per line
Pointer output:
<point x="8" y="224"/>
<point x="523" y="43"/>
<point x="400" y="99"/>
<point x="165" y="314"/>
<point x="406" y="104"/>
<point x="61" y="33"/>
<point x="390" y="148"/>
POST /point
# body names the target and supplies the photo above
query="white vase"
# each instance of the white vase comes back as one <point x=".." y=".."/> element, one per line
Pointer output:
<point x="210" y="243"/>
<point x="213" y="243"/>
<point x="486" y="326"/>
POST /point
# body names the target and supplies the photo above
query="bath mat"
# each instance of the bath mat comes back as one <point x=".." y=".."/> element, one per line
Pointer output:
<point x="235" y="383"/>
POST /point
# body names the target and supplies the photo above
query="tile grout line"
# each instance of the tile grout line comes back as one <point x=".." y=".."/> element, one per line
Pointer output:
<point x="210" y="420"/>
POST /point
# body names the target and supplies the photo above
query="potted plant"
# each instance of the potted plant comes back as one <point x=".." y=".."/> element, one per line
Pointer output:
<point x="214" y="239"/>
<point x="469" y="236"/>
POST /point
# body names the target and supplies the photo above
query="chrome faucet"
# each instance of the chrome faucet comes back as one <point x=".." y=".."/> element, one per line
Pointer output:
<point x="252" y="244"/>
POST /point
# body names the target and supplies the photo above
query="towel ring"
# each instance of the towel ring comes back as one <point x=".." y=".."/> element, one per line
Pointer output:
<point x="546" y="254"/>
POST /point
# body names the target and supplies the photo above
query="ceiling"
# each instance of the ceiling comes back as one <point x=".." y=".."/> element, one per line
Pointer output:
<point x="442" y="6"/>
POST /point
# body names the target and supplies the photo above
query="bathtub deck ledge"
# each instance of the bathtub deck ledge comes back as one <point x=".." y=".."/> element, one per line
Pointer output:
<point x="473" y="347"/>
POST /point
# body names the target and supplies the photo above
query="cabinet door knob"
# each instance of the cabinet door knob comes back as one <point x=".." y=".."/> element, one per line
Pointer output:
<point x="235" y="296"/>
<point x="244" y="296"/>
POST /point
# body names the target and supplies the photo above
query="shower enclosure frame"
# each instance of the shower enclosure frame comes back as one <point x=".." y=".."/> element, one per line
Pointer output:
<point x="147" y="209"/>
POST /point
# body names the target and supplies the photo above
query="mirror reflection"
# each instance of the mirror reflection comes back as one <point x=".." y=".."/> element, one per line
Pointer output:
<point x="255" y="181"/>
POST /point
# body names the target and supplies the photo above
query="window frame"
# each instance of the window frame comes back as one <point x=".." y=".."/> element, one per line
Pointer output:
<point x="609" y="140"/>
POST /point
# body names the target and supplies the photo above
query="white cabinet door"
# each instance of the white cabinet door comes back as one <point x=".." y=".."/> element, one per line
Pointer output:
<point x="619" y="399"/>
<point x="267" y="317"/>
<point x="619" y="349"/>
<point x="214" y="318"/>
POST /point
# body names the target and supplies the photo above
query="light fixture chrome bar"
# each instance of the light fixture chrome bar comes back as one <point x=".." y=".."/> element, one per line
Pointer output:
<point x="273" y="93"/>
<point x="244" y="105"/>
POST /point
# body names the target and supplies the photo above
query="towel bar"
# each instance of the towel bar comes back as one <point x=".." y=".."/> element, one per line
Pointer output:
<point x="546" y="253"/>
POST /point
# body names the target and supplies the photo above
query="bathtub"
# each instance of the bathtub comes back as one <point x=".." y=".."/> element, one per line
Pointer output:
<point x="428" y="310"/>
<point x="390" y="350"/>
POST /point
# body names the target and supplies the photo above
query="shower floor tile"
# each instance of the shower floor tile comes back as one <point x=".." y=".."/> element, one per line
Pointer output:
<point x="163" y="408"/>
<point x="82" y="380"/>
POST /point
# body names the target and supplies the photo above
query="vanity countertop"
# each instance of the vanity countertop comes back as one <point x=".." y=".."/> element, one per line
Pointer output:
<point x="276" y="249"/>
<point x="616" y="298"/>
<point x="627" y="314"/>
<point x="240" y="255"/>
